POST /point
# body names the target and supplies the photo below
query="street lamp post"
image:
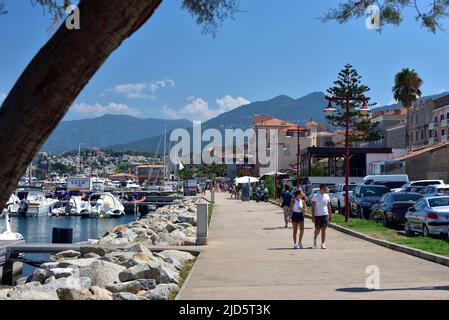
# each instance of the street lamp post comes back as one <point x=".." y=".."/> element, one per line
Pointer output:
<point x="297" y="159"/>
<point x="363" y="110"/>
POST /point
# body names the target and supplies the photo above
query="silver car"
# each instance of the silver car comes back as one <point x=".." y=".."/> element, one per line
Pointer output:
<point x="429" y="216"/>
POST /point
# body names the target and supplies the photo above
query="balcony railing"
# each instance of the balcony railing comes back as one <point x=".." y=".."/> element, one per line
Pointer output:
<point x="431" y="140"/>
<point x="444" y="122"/>
<point x="433" y="125"/>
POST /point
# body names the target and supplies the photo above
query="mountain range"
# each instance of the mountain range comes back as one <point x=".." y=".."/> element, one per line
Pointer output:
<point x="105" y="131"/>
<point x="123" y="133"/>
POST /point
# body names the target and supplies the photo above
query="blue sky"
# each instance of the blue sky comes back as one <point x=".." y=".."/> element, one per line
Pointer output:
<point x="169" y="69"/>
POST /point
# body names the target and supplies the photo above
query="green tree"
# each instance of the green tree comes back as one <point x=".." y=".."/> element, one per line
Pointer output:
<point x="349" y="84"/>
<point x="318" y="170"/>
<point x="64" y="65"/>
<point x="407" y="89"/>
<point x="429" y="13"/>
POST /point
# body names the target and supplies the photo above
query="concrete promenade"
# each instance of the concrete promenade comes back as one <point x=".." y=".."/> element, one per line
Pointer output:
<point x="250" y="256"/>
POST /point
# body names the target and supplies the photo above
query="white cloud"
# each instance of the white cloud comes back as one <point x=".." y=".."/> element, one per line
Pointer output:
<point x="97" y="110"/>
<point x="198" y="108"/>
<point x="228" y="103"/>
<point x="142" y="90"/>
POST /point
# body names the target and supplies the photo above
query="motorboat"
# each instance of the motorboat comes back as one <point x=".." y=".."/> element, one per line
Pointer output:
<point x="106" y="206"/>
<point x="39" y="204"/>
<point x="74" y="207"/>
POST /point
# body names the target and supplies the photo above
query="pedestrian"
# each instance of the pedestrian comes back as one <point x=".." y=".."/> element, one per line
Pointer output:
<point x="321" y="214"/>
<point x="286" y="197"/>
<point x="296" y="213"/>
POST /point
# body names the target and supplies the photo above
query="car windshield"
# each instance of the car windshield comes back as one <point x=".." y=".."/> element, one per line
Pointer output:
<point x="373" y="191"/>
<point x="406" y="197"/>
<point x="425" y="183"/>
<point x="443" y="190"/>
<point x="439" y="202"/>
<point x="390" y="184"/>
<point x="351" y="187"/>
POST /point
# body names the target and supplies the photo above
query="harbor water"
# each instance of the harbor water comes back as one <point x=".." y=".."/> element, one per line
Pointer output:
<point x="39" y="230"/>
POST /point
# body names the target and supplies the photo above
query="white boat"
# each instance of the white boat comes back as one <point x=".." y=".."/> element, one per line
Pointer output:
<point x="74" y="207"/>
<point x="12" y="205"/>
<point x="106" y="206"/>
<point x="39" y="205"/>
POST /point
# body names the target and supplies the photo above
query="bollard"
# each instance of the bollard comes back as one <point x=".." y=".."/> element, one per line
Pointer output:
<point x="62" y="235"/>
<point x="201" y="224"/>
<point x="212" y="195"/>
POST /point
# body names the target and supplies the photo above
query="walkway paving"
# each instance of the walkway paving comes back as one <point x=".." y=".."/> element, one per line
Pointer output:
<point x="250" y="256"/>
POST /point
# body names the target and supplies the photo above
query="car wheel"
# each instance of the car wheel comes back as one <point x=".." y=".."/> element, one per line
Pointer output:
<point x="407" y="229"/>
<point x="425" y="231"/>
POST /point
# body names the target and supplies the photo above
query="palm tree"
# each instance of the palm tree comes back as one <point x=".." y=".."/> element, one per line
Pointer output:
<point x="406" y="90"/>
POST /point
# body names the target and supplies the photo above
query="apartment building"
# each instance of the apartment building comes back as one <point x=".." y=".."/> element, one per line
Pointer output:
<point x="439" y="127"/>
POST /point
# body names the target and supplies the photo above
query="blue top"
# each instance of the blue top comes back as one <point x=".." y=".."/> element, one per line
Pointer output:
<point x="286" y="198"/>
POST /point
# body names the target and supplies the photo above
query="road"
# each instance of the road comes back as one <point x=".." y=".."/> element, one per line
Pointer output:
<point x="249" y="256"/>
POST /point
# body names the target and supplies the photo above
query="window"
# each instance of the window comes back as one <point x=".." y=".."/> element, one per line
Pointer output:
<point x="442" y="132"/>
<point x="436" y="134"/>
<point x="436" y="119"/>
<point x="442" y="116"/>
<point x="447" y="115"/>
<point x="422" y="134"/>
<point x="416" y="135"/>
<point x="430" y="133"/>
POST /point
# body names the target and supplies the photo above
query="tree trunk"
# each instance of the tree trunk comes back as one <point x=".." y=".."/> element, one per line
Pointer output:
<point x="56" y="75"/>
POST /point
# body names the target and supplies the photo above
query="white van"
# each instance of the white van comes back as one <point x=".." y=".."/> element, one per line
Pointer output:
<point x="392" y="181"/>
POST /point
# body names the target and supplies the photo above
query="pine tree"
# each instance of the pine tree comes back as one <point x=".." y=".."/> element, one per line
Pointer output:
<point x="349" y="84"/>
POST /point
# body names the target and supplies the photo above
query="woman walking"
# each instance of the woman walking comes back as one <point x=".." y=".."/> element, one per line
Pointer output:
<point x="297" y="208"/>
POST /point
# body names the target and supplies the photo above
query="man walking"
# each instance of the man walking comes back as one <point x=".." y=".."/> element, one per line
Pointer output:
<point x="321" y="214"/>
<point x="285" y="204"/>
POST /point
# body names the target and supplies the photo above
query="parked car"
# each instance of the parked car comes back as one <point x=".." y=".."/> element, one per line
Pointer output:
<point x="338" y="197"/>
<point x="393" y="181"/>
<point x="429" y="216"/>
<point x="393" y="206"/>
<point x="436" y="190"/>
<point x="364" y="197"/>
<point x="415" y="189"/>
<point x="425" y="183"/>
<point x="311" y="194"/>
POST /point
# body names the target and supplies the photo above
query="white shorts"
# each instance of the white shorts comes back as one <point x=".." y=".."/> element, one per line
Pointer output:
<point x="285" y="208"/>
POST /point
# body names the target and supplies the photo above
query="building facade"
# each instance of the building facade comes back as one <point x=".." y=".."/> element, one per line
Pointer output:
<point x="419" y="117"/>
<point x="438" y="128"/>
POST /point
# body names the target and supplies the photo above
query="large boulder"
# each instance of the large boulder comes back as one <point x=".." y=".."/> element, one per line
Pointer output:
<point x="165" y="239"/>
<point x="62" y="272"/>
<point x="181" y="256"/>
<point x="127" y="296"/>
<point x="162" y="292"/>
<point x="100" y="250"/>
<point x="149" y="270"/>
<point x="66" y="255"/>
<point x="188" y="219"/>
<point x="134" y="286"/>
<point x="39" y="275"/>
<point x="102" y="273"/>
<point x="78" y="263"/>
<point x="95" y="293"/>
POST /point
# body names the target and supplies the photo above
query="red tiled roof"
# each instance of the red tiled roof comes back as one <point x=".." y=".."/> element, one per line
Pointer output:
<point x="423" y="150"/>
